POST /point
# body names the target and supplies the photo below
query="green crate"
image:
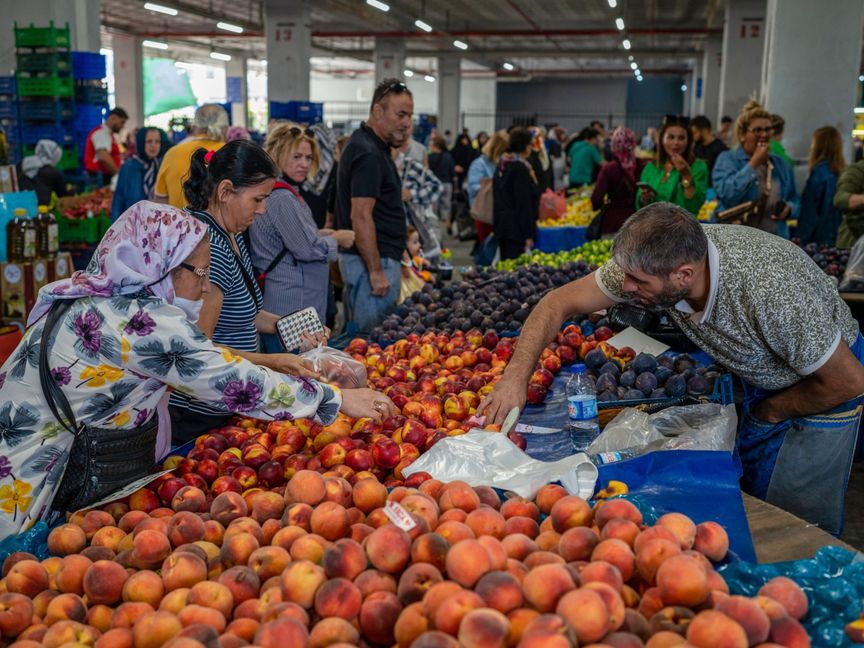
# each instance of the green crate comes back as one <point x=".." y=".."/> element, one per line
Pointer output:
<point x="50" y="36"/>
<point x="68" y="162"/>
<point x="82" y="230"/>
<point x="51" y="62"/>
<point x="45" y="86"/>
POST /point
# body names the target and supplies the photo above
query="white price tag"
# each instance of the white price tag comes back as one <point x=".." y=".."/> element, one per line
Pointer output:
<point x="399" y="516"/>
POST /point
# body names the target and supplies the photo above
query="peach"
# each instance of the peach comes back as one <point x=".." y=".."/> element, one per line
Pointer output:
<point x="430" y="548"/>
<point x="338" y="597"/>
<point x="542" y="558"/>
<point x="243" y="628"/>
<point x="712" y="629"/>
<point x="716" y="583"/>
<point x="16" y="557"/>
<point x="307" y="487"/>
<point x="453" y="608"/>
<point x="486" y="521"/>
<point x="617" y="508"/>
<point x="458" y="494"/>
<point x="268" y="505"/>
<point x="524" y="525"/>
<point x="189" y="498"/>
<point x="193" y="614"/>
<point x="378" y="616"/>
<point x="415" y="581"/>
<point x="682" y="581"/>
<point x="666" y="639"/>
<point x="748" y="615"/>
<point x="301" y="581"/>
<point x="237" y="549"/>
<point x="377" y="518"/>
<point x="27" y="577"/>
<point x="368" y="495"/>
<point x="145" y="587"/>
<point x="422" y="506"/>
<point x="185" y="527"/>
<point x="650" y="603"/>
<point x="103" y="582"/>
<point x="788" y="631"/>
<point x="373" y="580"/>
<point x="412" y="623"/>
<point x="360" y="531"/>
<point x="786" y="592"/>
<point x="601" y="571"/>
<point x="99" y="617"/>
<point x="16" y="613"/>
<point x="95" y="520"/>
<point x="227" y="507"/>
<point x="545" y="585"/>
<point x="175" y="601"/>
<point x="150" y="548"/>
<point x="652" y="554"/>
<point x="69" y="607"/>
<point x="242" y="582"/>
<point x="586" y="613"/>
<point x="389" y="549"/>
<point x="618" y="553"/>
<point x="635" y="623"/>
<point x="108" y="536"/>
<point x="518" y="545"/>
<point x="245" y="525"/>
<point x="620" y="529"/>
<point x="65" y="632"/>
<point x="467" y="561"/>
<point x="333" y="630"/>
<point x="517" y="570"/>
<point x="519" y="620"/>
<point x="500" y="591"/>
<point x="66" y="539"/>
<point x="197" y="633"/>
<point x="488" y="496"/>
<point x="182" y="570"/>
<point x="116" y="638"/>
<point x="630" y="596"/>
<point x="131" y="519"/>
<point x="769" y="606"/>
<point x="568" y="512"/>
<point x="151" y="524"/>
<point x="712" y="540"/>
<point x="42" y="600"/>
<point x="127" y="614"/>
<point x="612" y="599"/>
<point x="338" y="490"/>
<point x="497" y="556"/>
<point x="681" y="526"/>
<point x="282" y="632"/>
<point x="548" y="540"/>
<point x="454" y="532"/>
<point x="547" y="496"/>
<point x="436" y="595"/>
<point x="286" y="536"/>
<point x="676" y="619"/>
<point x="547" y="630"/>
<point x="484" y="627"/>
<point x="345" y="558"/>
<point x="267" y="562"/>
<point x="652" y="533"/>
<point x="213" y="595"/>
<point x="309" y="547"/>
<point x="299" y="515"/>
<point x="455" y="514"/>
<point x="577" y="543"/>
<point x="519" y="507"/>
<point x="330" y="521"/>
<point x="99" y="553"/>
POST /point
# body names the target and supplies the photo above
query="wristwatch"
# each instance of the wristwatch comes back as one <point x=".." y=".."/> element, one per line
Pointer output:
<point x="686" y="183"/>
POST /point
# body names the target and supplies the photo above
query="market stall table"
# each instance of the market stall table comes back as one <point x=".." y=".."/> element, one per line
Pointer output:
<point x="556" y="239"/>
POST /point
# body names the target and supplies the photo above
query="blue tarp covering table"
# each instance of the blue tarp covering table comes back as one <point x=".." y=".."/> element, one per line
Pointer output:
<point x="556" y="239"/>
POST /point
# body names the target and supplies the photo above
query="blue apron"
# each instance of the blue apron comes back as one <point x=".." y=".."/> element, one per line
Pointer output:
<point x="801" y="464"/>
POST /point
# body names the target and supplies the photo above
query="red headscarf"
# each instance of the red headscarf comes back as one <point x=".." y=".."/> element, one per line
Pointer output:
<point x="623" y="145"/>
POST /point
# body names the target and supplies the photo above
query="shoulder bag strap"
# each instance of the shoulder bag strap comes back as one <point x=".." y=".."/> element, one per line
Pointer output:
<point x="246" y="278"/>
<point x="52" y="391"/>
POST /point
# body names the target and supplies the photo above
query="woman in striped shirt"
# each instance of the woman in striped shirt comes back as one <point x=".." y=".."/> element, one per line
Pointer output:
<point x="287" y="246"/>
<point x="226" y="190"/>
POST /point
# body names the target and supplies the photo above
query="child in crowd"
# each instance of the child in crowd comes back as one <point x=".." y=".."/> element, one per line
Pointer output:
<point x="413" y="264"/>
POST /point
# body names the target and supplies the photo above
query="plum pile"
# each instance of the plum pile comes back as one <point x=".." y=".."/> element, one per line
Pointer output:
<point x="647" y="376"/>
<point x="485" y="299"/>
<point x="831" y="259"/>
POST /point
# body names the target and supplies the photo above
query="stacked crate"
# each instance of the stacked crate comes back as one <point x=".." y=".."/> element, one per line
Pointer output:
<point x="9" y="118"/>
<point x="45" y="89"/>
<point x="91" y="94"/>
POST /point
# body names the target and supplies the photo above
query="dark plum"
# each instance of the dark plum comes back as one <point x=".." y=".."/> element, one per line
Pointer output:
<point x="627" y="379"/>
<point x="611" y="368"/>
<point x="644" y="362"/>
<point x="658" y="393"/>
<point x="676" y="386"/>
<point x="683" y="362"/>
<point x="697" y="386"/>
<point x="607" y="396"/>
<point x="646" y="382"/>
<point x="663" y="374"/>
<point x="595" y="359"/>
<point x="634" y="394"/>
<point x="606" y="382"/>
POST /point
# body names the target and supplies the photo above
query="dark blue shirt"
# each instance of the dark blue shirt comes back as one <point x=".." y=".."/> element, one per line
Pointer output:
<point x="818" y="219"/>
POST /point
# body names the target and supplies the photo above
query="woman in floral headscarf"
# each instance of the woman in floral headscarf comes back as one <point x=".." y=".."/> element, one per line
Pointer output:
<point x="125" y="342"/>
<point x="615" y="189"/>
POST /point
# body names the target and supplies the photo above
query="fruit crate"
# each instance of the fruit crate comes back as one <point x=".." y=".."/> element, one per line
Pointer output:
<point x="45" y="86"/>
<point x="68" y="161"/>
<point x="8" y="109"/>
<point x="88" y="65"/>
<point x="58" y="132"/>
<point x="8" y="86"/>
<point x="46" y="110"/>
<point x="58" y="63"/>
<point x="90" y="94"/>
<point x="88" y="116"/>
<point x="51" y="36"/>
<point x="82" y="230"/>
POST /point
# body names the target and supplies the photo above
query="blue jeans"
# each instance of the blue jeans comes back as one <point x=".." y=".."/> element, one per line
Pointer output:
<point x="801" y="464"/>
<point x="362" y="307"/>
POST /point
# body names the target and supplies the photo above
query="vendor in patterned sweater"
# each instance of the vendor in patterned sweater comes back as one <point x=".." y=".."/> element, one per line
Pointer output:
<point x="759" y="306"/>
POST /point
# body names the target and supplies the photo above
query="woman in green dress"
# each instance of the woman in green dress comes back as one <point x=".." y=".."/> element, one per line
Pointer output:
<point x="675" y="175"/>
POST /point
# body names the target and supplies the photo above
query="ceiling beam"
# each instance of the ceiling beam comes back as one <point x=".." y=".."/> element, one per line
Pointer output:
<point x="521" y="33"/>
<point x="513" y="52"/>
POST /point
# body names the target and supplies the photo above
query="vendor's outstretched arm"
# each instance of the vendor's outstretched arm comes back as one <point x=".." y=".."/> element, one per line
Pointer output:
<point x="837" y="381"/>
<point x="582" y="296"/>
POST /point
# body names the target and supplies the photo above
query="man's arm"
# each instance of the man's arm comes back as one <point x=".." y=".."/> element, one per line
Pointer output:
<point x="582" y="296"/>
<point x="837" y="381"/>
<point x="367" y="243"/>
<point x="105" y="158"/>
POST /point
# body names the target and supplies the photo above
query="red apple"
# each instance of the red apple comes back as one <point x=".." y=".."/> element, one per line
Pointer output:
<point x="470" y="398"/>
<point x="215" y="441"/>
<point x="199" y="454"/>
<point x="602" y="333"/>
<point x="168" y="488"/>
<point x="271" y="474"/>
<point x="542" y="377"/>
<point x="223" y="484"/>
<point x="247" y="476"/>
<point x="385" y="452"/>
<point x="552" y="364"/>
<point x="394" y="422"/>
<point x="566" y="354"/>
<point x="490" y="339"/>
<point x="574" y="340"/>
<point x="208" y="469"/>
<point x="331" y="455"/>
<point x="255" y="456"/>
<point x="518" y="439"/>
<point x="536" y="393"/>
<point x="504" y="350"/>
<point x="455" y="408"/>
<point x="359" y="460"/>
<point x="196" y="480"/>
<point x="413" y="481"/>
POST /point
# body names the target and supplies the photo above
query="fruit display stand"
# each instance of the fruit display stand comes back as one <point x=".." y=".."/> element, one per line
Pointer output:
<point x="555" y="239"/>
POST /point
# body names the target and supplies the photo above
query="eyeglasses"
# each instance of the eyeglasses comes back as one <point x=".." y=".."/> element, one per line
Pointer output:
<point x="398" y="88"/>
<point x="202" y="273"/>
<point x="676" y="120"/>
<point x="762" y="130"/>
<point x="297" y="132"/>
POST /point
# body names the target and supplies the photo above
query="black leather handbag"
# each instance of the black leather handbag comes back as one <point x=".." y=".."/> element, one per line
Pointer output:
<point x="102" y="460"/>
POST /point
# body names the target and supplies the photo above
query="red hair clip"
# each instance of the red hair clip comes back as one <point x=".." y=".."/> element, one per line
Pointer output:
<point x="208" y="156"/>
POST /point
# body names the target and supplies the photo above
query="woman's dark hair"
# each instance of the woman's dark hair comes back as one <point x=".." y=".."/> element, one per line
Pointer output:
<point x="242" y="162"/>
<point x="520" y="139"/>
<point x="586" y="134"/>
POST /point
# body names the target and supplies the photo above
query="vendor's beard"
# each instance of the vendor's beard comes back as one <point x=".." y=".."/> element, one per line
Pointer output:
<point x="669" y="296"/>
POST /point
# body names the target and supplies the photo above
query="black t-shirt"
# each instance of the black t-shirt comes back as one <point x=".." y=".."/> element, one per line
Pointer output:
<point x="443" y="166"/>
<point x="709" y="153"/>
<point x="47" y="180"/>
<point x="366" y="170"/>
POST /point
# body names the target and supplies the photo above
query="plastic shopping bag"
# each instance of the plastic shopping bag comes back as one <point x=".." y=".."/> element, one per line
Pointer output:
<point x="337" y="367"/>
<point x="853" y="277"/>
<point x="552" y="205"/>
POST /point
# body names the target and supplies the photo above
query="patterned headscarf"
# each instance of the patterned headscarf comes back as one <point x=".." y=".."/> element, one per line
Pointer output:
<point x="137" y="253"/>
<point x="623" y="145"/>
<point x="150" y="165"/>
<point x="46" y="153"/>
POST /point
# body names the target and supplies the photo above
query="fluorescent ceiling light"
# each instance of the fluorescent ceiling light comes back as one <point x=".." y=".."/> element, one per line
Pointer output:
<point x="219" y="56"/>
<point x="684" y="88"/>
<point x="155" y="44"/>
<point x="633" y="66"/>
<point x="460" y="44"/>
<point x="637" y="72"/>
<point x="408" y="73"/>
<point x="861" y="78"/>
<point x="859" y="111"/>
<point x="630" y="58"/>
<point x="378" y="5"/>
<point x="619" y="23"/>
<point x="626" y="43"/>
<point x="639" y="78"/>
<point x="429" y="78"/>
<point x="168" y="11"/>
<point x="422" y="25"/>
<point x="237" y="29"/>
<point x="104" y="51"/>
<point x="613" y="3"/>
<point x="508" y="66"/>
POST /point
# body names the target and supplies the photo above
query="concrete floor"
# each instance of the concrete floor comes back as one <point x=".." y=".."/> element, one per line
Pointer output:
<point x="854" y="529"/>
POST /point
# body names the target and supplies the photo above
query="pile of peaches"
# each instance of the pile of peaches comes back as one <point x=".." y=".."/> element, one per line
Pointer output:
<point x="328" y="563"/>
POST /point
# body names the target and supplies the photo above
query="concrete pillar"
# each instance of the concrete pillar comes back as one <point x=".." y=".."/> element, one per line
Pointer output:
<point x="389" y="59"/>
<point x="812" y="82"/>
<point x="82" y="16"/>
<point x="743" y="45"/>
<point x="237" y="90"/>
<point x="449" y="78"/>
<point x="694" y="88"/>
<point x="289" y="49"/>
<point x="712" y="66"/>
<point x="477" y="102"/>
<point x="129" y="78"/>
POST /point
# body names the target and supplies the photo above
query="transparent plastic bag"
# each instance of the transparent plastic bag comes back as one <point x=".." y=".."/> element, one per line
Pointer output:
<point x="483" y="458"/>
<point x="853" y="277"/>
<point x="337" y="367"/>
<point x="706" y="426"/>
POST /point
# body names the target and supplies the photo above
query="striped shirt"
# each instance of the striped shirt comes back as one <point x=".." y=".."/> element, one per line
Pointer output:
<point x="236" y="325"/>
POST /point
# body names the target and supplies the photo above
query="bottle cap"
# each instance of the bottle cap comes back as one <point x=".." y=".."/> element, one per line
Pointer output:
<point x="20" y="211"/>
<point x="578" y="368"/>
<point x="43" y="209"/>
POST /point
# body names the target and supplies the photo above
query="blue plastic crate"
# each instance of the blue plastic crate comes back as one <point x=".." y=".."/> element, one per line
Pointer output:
<point x="88" y="116"/>
<point x="8" y="110"/>
<point x="302" y="112"/>
<point x="46" y="110"/>
<point x="88" y="65"/>
<point x="8" y="85"/>
<point x="90" y="94"/>
<point x="59" y="132"/>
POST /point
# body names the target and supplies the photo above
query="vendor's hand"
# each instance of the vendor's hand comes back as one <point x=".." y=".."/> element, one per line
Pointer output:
<point x="326" y="231"/>
<point x="646" y="195"/>
<point x="360" y="403"/>
<point x="760" y="155"/>
<point x="510" y="392"/>
<point x="379" y="282"/>
<point x="344" y="238"/>
<point x="406" y="195"/>
<point x="681" y="164"/>
<point x="288" y="363"/>
<point x="783" y="215"/>
<point x="764" y="411"/>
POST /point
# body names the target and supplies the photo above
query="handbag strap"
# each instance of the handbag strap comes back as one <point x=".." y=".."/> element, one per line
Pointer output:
<point x="52" y="391"/>
<point x="243" y="273"/>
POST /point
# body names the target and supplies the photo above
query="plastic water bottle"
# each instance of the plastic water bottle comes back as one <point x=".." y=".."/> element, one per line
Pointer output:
<point x="581" y="409"/>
